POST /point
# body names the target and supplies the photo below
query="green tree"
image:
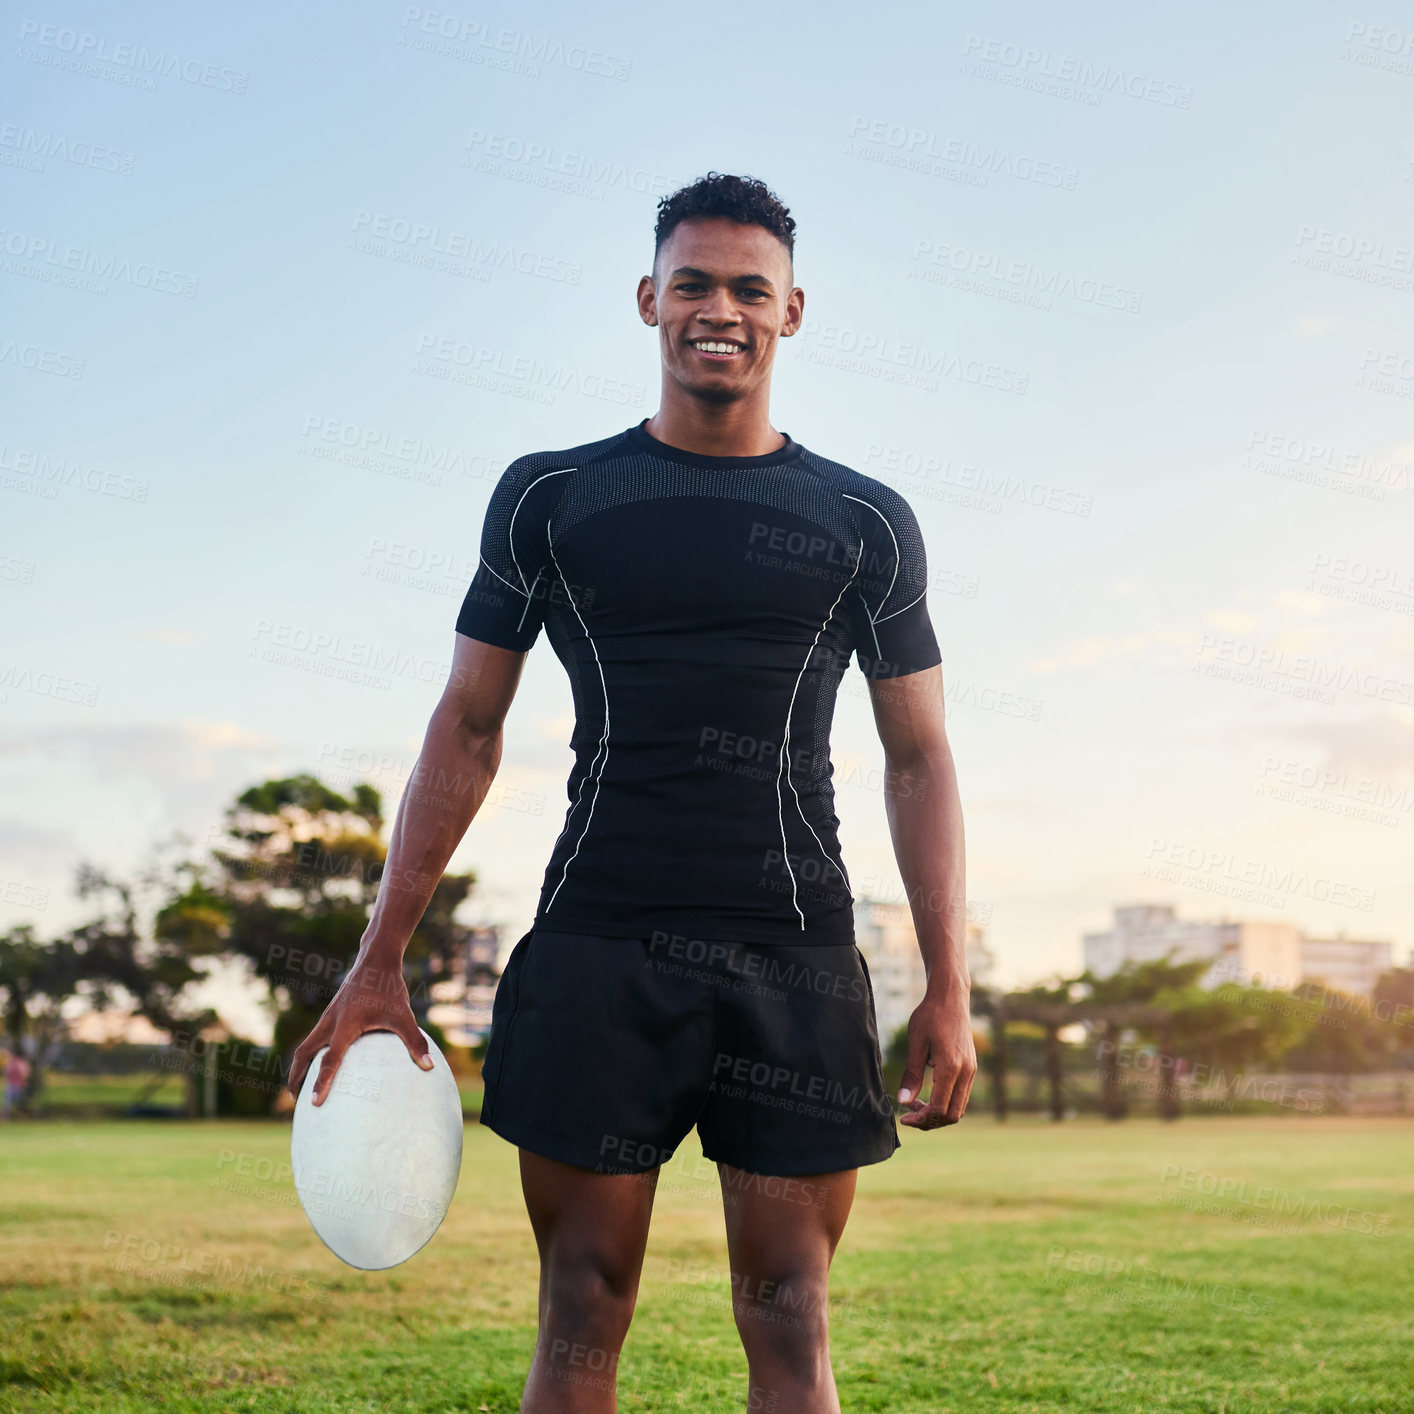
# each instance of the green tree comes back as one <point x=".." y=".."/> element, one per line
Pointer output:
<point x="1393" y="1006"/>
<point x="36" y="979"/>
<point x="290" y="888"/>
<point x="1234" y="1028"/>
<point x="116" y="957"/>
<point x="1134" y="984"/>
<point x="1343" y="1035"/>
<point x="129" y="956"/>
<point x="1141" y="982"/>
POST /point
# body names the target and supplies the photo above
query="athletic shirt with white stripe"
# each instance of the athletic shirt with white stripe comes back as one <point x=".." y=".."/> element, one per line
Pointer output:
<point x="705" y="609"/>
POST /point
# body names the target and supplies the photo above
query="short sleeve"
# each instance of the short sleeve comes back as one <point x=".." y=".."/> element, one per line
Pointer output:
<point x="505" y="602"/>
<point x="893" y="634"/>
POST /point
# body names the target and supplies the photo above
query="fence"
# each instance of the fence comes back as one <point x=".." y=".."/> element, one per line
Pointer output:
<point x="1207" y="1091"/>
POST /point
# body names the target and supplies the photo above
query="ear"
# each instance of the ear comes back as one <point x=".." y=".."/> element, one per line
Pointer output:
<point x="647" y="300"/>
<point x="795" y="312"/>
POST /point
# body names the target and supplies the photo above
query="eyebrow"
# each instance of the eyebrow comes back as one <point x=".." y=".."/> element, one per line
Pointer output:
<point x="707" y="275"/>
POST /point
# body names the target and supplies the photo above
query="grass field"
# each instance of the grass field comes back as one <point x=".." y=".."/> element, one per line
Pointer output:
<point x="66" y="1092"/>
<point x="152" y="1265"/>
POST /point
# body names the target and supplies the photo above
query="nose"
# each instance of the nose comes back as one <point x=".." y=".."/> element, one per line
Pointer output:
<point x="719" y="309"/>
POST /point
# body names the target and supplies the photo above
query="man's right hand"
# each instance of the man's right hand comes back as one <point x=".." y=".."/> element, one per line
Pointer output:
<point x="372" y="997"/>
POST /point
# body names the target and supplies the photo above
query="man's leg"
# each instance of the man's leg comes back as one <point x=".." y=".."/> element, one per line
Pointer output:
<point x="591" y="1230"/>
<point x="781" y="1237"/>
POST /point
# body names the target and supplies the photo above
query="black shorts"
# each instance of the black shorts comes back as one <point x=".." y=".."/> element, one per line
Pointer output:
<point x="604" y="1052"/>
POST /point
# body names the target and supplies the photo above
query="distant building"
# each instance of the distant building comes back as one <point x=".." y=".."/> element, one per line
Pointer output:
<point x="1349" y="965"/>
<point x="1249" y="952"/>
<point x="886" y="936"/>
<point x="461" y="1001"/>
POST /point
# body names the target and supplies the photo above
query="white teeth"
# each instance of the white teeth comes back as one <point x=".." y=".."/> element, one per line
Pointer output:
<point x="709" y="347"/>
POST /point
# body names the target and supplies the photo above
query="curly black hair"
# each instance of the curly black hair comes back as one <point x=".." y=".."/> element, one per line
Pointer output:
<point x="743" y="199"/>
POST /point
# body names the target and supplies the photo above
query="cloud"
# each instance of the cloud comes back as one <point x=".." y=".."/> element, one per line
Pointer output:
<point x="181" y="751"/>
<point x="179" y="772"/>
<point x="1092" y="652"/>
<point x="26" y="844"/>
<point x="1378" y="743"/>
<point x="1299" y="602"/>
<point x="1295" y="632"/>
<point x="1232" y="621"/>
<point x="175" y="637"/>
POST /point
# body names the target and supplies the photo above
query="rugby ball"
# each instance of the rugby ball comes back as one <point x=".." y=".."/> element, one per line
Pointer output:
<point x="375" y="1164"/>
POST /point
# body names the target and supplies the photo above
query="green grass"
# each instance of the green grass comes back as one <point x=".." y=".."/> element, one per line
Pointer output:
<point x="73" y="1091"/>
<point x="999" y="1268"/>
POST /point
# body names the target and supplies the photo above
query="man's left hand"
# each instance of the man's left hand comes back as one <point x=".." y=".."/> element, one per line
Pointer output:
<point x="940" y="1036"/>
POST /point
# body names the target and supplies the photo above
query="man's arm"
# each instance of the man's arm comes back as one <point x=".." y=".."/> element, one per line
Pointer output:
<point x="460" y="754"/>
<point x="925" y="819"/>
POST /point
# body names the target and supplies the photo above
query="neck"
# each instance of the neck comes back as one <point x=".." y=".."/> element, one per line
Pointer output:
<point x="736" y="429"/>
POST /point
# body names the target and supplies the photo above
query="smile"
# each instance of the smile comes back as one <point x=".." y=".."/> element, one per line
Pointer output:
<point x="716" y="348"/>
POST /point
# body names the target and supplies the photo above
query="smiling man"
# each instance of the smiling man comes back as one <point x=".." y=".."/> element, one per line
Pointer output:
<point x="705" y="580"/>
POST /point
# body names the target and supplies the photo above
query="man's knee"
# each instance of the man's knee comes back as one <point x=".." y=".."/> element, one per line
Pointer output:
<point x="784" y="1320"/>
<point x="592" y="1295"/>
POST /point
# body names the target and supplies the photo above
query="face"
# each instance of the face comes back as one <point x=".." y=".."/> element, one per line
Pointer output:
<point x="728" y="286"/>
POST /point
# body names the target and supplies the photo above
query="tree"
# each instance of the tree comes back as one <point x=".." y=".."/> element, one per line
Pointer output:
<point x="126" y="957"/>
<point x="1137" y="983"/>
<point x="149" y="963"/>
<point x="1342" y="1034"/>
<point x="290" y="888"/>
<point x="1142" y="981"/>
<point x="1234" y="1028"/>
<point x="112" y="958"/>
<point x="35" y="980"/>
<point x="1393" y="1006"/>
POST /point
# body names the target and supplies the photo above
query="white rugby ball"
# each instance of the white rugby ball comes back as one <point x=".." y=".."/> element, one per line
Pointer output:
<point x="376" y="1162"/>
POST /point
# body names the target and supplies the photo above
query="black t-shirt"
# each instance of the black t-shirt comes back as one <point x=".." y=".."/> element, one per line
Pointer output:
<point x="705" y="609"/>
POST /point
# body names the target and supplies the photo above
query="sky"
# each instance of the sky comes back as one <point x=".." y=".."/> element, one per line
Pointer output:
<point x="1120" y="301"/>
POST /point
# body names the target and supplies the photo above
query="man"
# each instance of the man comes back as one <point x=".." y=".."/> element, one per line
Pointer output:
<point x="705" y="579"/>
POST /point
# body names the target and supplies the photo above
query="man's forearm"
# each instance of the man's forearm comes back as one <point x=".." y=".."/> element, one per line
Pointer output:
<point x="924" y="811"/>
<point x="452" y="777"/>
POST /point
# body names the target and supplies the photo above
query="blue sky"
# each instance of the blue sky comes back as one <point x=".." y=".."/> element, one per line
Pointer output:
<point x="1120" y="301"/>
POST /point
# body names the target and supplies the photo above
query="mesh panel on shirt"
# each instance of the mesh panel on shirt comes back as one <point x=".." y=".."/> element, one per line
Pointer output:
<point x="524" y="494"/>
<point x="644" y="477"/>
<point x="893" y="571"/>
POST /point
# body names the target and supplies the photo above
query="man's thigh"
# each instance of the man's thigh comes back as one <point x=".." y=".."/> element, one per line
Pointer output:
<point x="581" y="1218"/>
<point x="780" y="1221"/>
<point x="781" y="1238"/>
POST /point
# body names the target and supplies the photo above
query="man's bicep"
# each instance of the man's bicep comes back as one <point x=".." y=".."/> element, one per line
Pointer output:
<point x="908" y="711"/>
<point x="482" y="684"/>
